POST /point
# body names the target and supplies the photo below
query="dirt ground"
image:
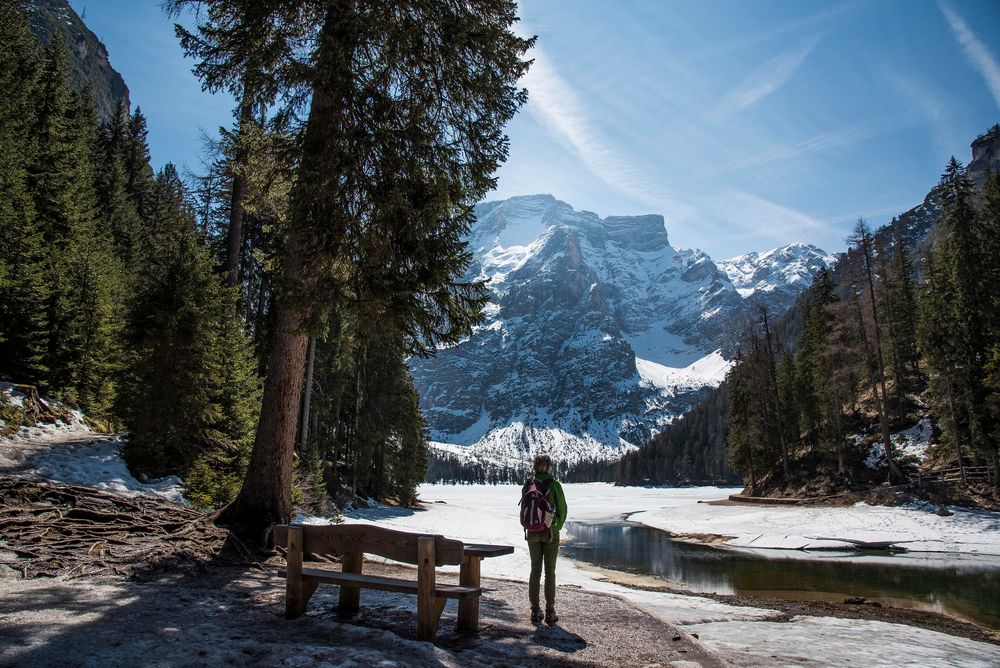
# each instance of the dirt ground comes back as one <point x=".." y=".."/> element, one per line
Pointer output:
<point x="229" y="616"/>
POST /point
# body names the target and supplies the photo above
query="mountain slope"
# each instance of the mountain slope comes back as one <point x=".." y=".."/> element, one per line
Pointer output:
<point x="88" y="57"/>
<point x="915" y="227"/>
<point x="598" y="334"/>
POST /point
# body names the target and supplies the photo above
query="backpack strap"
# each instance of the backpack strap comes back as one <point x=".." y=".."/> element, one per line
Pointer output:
<point x="544" y="485"/>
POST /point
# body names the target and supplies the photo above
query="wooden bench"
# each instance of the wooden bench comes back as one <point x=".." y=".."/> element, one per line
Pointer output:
<point x="353" y="541"/>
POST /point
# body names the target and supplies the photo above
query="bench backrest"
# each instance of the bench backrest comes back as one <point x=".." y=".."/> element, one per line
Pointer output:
<point x="368" y="539"/>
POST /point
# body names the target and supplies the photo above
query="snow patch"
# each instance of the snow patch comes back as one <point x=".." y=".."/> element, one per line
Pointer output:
<point x="101" y="465"/>
<point x="912" y="442"/>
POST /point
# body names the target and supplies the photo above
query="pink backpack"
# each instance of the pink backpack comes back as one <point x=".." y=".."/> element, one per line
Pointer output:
<point x="536" y="512"/>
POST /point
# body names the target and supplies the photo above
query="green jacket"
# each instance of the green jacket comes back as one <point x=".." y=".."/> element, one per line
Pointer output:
<point x="556" y="498"/>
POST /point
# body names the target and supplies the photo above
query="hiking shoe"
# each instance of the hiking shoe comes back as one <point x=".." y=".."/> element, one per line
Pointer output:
<point x="536" y="616"/>
<point x="551" y="617"/>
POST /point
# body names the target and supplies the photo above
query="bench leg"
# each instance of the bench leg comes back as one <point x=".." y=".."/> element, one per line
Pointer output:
<point x="295" y="602"/>
<point x="350" y="597"/>
<point x="428" y="609"/>
<point x="468" y="608"/>
<point x="308" y="589"/>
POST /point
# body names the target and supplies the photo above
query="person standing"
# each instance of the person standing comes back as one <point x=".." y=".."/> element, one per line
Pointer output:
<point x="543" y="512"/>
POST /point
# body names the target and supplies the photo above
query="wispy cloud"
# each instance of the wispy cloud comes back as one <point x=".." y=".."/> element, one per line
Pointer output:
<point x="824" y="141"/>
<point x="768" y="78"/>
<point x="921" y="106"/>
<point x="752" y="216"/>
<point x="558" y="105"/>
<point x="975" y="51"/>
<point x="824" y="17"/>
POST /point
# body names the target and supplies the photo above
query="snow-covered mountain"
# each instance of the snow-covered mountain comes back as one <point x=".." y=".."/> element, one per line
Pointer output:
<point x="598" y="334"/>
<point x="790" y="267"/>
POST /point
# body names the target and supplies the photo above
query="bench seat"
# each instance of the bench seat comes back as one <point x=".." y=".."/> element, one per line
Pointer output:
<point x="383" y="583"/>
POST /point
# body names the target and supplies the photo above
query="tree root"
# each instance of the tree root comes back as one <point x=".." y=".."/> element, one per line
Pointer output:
<point x="50" y="529"/>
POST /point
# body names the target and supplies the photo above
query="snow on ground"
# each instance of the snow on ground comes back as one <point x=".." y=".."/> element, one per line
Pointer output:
<point x="100" y="465"/>
<point x="746" y="636"/>
<point x="831" y="641"/>
<point x="915" y="527"/>
<point x="75" y="455"/>
<point x="912" y="442"/>
<point x="53" y="432"/>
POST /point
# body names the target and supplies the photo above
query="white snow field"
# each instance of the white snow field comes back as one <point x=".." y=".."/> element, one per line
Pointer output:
<point x="746" y="636"/>
<point x="915" y="527"/>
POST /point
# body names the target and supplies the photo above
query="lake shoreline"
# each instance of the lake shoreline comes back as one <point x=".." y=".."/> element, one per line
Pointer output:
<point x="785" y="609"/>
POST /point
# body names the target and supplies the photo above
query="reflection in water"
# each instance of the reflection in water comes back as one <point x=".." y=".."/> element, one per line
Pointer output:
<point x="965" y="588"/>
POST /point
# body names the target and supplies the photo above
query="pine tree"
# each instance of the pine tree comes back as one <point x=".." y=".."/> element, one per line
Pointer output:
<point x="138" y="173"/>
<point x="988" y="241"/>
<point x="118" y="210"/>
<point x="937" y="336"/>
<point x="192" y="395"/>
<point x="81" y="270"/>
<point x="861" y="238"/>
<point x="23" y="285"/>
<point x="444" y="79"/>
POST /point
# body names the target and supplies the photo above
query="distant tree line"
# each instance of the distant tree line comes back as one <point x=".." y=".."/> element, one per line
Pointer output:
<point x="448" y="468"/>
<point x="691" y="450"/>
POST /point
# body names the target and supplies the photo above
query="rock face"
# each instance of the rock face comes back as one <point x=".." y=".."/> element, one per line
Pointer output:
<point x="914" y="225"/>
<point x="985" y="156"/>
<point x="598" y="333"/>
<point x="88" y="57"/>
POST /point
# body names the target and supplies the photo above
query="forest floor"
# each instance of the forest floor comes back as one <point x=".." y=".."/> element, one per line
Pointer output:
<point x="200" y="609"/>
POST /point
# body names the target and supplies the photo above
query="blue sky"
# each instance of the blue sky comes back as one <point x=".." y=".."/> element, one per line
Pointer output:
<point x="746" y="124"/>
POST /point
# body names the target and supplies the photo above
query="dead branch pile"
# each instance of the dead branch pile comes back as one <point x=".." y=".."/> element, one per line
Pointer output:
<point x="50" y="529"/>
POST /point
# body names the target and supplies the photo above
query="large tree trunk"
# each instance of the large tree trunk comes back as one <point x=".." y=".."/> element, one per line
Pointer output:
<point x="266" y="495"/>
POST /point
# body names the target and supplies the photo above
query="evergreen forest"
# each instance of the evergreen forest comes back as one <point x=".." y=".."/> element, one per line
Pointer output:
<point x="262" y="299"/>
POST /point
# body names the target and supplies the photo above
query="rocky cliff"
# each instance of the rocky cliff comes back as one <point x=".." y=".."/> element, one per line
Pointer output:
<point x="88" y="56"/>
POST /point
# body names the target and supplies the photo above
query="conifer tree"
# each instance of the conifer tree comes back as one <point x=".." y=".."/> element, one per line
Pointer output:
<point x="117" y="209"/>
<point x="444" y="80"/>
<point x="938" y="338"/>
<point x="23" y="285"/>
<point x="861" y="238"/>
<point x="138" y="173"/>
<point x="192" y="396"/>
<point x="81" y="270"/>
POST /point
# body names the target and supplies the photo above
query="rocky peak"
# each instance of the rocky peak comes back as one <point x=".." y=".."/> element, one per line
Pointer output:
<point x="640" y="233"/>
<point x="777" y="269"/>
<point x="985" y="156"/>
<point x="598" y="334"/>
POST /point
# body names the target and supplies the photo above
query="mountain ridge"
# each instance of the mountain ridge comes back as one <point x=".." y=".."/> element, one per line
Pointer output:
<point x="598" y="334"/>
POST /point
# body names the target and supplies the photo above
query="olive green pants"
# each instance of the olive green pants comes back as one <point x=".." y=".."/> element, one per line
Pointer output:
<point x="543" y="546"/>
